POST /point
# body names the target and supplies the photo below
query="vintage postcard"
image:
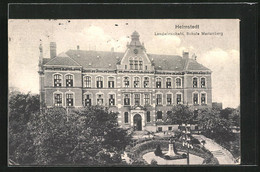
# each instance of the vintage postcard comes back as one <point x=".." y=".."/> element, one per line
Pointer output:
<point x="124" y="92"/>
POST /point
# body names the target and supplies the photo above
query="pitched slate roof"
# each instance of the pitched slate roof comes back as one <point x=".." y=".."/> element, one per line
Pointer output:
<point x="62" y="60"/>
<point x="194" y="65"/>
<point x="167" y="62"/>
<point x="109" y="59"/>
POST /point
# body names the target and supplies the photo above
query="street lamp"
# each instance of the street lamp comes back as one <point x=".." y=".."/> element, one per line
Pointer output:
<point x="186" y="139"/>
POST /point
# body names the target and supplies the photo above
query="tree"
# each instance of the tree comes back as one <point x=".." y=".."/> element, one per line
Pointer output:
<point x="88" y="136"/>
<point x="180" y="114"/>
<point x="21" y="107"/>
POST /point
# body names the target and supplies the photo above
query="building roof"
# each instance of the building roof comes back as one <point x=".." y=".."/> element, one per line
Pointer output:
<point x="109" y="59"/>
<point x="194" y="65"/>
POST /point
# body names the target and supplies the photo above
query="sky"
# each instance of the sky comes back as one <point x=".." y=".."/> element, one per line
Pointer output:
<point x="220" y="53"/>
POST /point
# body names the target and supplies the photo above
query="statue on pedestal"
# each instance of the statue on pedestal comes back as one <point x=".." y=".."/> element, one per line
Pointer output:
<point x="172" y="150"/>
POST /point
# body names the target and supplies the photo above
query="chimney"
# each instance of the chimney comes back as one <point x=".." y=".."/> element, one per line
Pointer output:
<point x="185" y="55"/>
<point x="77" y="47"/>
<point x="53" y="49"/>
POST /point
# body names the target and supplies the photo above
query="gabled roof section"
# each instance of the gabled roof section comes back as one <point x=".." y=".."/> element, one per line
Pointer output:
<point x="167" y="62"/>
<point x="62" y="60"/>
<point x="194" y="65"/>
<point x="96" y="59"/>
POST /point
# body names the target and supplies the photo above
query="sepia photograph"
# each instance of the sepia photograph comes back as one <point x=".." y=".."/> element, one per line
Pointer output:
<point x="123" y="92"/>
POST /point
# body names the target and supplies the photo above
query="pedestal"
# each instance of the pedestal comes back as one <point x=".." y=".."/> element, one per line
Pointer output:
<point x="171" y="150"/>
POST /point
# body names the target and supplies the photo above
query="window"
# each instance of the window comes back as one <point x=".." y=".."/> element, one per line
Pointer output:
<point x="148" y="116"/>
<point x="203" y="98"/>
<point x="111" y="82"/>
<point x="178" y="82"/>
<point x="87" y="100"/>
<point x="146" y="82"/>
<point x="203" y="82"/>
<point x="126" y="99"/>
<point x="159" y="99"/>
<point x="137" y="99"/>
<point x="141" y="65"/>
<point x="169" y="128"/>
<point x="126" y="117"/>
<point x="195" y="98"/>
<point x="87" y="82"/>
<point x="57" y="80"/>
<point x="99" y="82"/>
<point x="100" y="99"/>
<point x="159" y="115"/>
<point x="131" y="64"/>
<point x="146" y="99"/>
<point x="169" y="99"/>
<point x="125" y="66"/>
<point x="111" y="100"/>
<point x="178" y="101"/>
<point x="69" y="80"/>
<point x="136" y="82"/>
<point x="159" y="129"/>
<point x="146" y="68"/>
<point x="168" y="83"/>
<point x="126" y="82"/>
<point x="69" y="100"/>
<point x="136" y="64"/>
<point x="58" y="99"/>
<point x="158" y="82"/>
<point x="195" y="82"/>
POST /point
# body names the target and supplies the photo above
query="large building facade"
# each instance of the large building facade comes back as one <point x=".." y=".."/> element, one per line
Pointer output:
<point x="141" y="87"/>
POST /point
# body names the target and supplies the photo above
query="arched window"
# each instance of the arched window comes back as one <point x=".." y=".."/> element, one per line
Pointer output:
<point x="57" y="99"/>
<point x="168" y="83"/>
<point x="148" y="116"/>
<point x="136" y="82"/>
<point x="87" y="81"/>
<point x="126" y="82"/>
<point x="158" y="99"/>
<point x="169" y="99"/>
<point x="69" y="80"/>
<point x="131" y="63"/>
<point x="111" y="82"/>
<point x="69" y="99"/>
<point x="203" y="99"/>
<point x="111" y="100"/>
<point x="178" y="99"/>
<point x="146" y="82"/>
<point x="159" y="115"/>
<point x="99" y="82"/>
<point x="158" y="83"/>
<point x="57" y="80"/>
<point x="126" y="117"/>
<point x="178" y="82"/>
<point x="195" y="98"/>
<point x="195" y="82"/>
<point x="203" y="82"/>
<point x="136" y="64"/>
<point x="100" y="99"/>
<point x="140" y="64"/>
<point x="146" y="99"/>
<point x="87" y="99"/>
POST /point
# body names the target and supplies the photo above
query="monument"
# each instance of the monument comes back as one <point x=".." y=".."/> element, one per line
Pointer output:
<point x="172" y="151"/>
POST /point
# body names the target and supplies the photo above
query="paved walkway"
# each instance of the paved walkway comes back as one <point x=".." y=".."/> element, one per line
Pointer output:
<point x="224" y="156"/>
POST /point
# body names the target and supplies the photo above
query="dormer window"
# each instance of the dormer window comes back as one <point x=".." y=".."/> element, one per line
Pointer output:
<point x="131" y="62"/>
<point x="140" y="65"/>
<point x="136" y="64"/>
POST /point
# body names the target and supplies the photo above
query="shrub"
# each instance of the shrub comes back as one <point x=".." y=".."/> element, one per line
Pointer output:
<point x="158" y="151"/>
<point x="154" y="162"/>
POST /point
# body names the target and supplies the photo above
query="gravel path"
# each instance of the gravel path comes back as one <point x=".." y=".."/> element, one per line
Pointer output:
<point x="224" y="156"/>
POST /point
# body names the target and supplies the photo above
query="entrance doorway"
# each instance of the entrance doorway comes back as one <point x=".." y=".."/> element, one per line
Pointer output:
<point x="137" y="122"/>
